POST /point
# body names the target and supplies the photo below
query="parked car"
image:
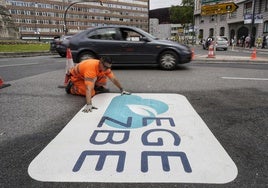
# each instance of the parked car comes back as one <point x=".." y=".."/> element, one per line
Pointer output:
<point x="59" y="44"/>
<point x="53" y="44"/>
<point x="221" y="43"/>
<point x="128" y="46"/>
<point x="226" y="38"/>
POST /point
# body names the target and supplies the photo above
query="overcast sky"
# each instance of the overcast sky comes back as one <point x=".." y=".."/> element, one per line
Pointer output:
<point x="154" y="4"/>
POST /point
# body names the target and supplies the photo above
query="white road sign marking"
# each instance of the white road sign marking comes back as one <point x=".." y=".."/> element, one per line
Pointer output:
<point x="135" y="138"/>
<point x="240" y="78"/>
<point x="21" y="64"/>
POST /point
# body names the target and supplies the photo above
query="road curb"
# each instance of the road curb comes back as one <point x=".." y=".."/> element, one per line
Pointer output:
<point x="209" y="60"/>
<point x="24" y="54"/>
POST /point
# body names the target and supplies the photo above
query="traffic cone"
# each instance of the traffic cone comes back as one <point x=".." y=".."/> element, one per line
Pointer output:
<point x="192" y="53"/>
<point x="2" y="84"/>
<point x="69" y="65"/>
<point x="254" y="54"/>
<point x="211" y="52"/>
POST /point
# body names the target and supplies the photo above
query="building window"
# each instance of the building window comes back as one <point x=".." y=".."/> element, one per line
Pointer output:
<point x="260" y="4"/>
<point x="265" y="27"/>
<point x="212" y="18"/>
<point x="248" y="8"/>
<point x="222" y="31"/>
<point x="201" y="34"/>
<point x="211" y="32"/>
<point x="222" y="17"/>
<point x="232" y="15"/>
<point x="266" y="5"/>
<point x="201" y="20"/>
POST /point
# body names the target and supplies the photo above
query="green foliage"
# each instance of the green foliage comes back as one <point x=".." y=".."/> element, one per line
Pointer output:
<point x="27" y="47"/>
<point x="187" y="3"/>
<point x="182" y="14"/>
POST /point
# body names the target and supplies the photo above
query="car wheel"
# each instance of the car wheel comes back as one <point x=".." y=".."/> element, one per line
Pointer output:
<point x="62" y="54"/>
<point x="86" y="55"/>
<point x="168" y="60"/>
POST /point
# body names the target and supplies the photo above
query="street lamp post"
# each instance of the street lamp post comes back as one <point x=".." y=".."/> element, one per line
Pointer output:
<point x="65" y="29"/>
<point x="252" y="41"/>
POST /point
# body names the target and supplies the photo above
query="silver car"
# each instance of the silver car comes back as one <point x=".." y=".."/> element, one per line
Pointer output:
<point x="220" y="43"/>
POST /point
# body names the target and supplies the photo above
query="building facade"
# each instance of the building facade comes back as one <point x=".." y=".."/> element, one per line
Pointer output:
<point x="165" y="31"/>
<point x="8" y="29"/>
<point x="236" y="25"/>
<point x="45" y="18"/>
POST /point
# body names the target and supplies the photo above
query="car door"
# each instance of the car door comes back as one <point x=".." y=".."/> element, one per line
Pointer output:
<point x="105" y="42"/>
<point x="135" y="49"/>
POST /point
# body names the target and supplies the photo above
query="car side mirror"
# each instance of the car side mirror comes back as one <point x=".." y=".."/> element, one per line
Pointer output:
<point x="144" y="39"/>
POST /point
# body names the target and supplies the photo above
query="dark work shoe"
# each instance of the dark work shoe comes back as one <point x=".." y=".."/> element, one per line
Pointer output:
<point x="68" y="87"/>
<point x="101" y="89"/>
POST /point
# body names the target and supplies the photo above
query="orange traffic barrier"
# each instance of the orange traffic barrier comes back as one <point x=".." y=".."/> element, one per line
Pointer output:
<point x="211" y="53"/>
<point x="2" y="84"/>
<point x="69" y="64"/>
<point x="192" y="53"/>
<point x="254" y="54"/>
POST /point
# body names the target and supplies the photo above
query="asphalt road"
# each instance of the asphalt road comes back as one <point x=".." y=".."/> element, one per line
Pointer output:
<point x="21" y="67"/>
<point x="230" y="98"/>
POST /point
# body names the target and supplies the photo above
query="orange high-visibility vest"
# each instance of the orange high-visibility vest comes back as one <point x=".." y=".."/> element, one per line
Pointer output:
<point x="87" y="73"/>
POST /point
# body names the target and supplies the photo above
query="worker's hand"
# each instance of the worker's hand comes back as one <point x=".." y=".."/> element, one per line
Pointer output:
<point x="89" y="108"/>
<point x="123" y="92"/>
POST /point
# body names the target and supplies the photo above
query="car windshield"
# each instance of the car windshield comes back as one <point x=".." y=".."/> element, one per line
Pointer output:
<point x="221" y="39"/>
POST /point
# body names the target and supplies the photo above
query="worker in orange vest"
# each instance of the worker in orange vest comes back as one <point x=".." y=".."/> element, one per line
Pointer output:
<point x="89" y="78"/>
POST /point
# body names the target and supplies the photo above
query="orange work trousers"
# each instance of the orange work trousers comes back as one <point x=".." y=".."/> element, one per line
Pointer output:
<point x="79" y="86"/>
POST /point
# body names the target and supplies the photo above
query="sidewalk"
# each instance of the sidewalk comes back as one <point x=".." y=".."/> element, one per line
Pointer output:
<point x="224" y="58"/>
<point x="242" y="49"/>
<point x="242" y="59"/>
<point x="230" y="59"/>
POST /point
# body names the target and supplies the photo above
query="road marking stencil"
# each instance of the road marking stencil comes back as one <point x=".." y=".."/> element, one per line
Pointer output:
<point x="21" y="64"/>
<point x="135" y="138"/>
<point x="241" y="78"/>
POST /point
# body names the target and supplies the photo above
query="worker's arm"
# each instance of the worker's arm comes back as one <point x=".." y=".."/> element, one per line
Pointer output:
<point x="89" y="107"/>
<point x="117" y="83"/>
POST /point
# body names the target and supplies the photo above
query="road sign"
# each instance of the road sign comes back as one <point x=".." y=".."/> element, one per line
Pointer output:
<point x="222" y="8"/>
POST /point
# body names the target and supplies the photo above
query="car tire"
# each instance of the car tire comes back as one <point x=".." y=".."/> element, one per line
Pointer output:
<point x="168" y="60"/>
<point x="62" y="54"/>
<point x="86" y="55"/>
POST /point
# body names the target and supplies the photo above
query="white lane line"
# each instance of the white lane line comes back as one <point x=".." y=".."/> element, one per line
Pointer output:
<point x="239" y="78"/>
<point x="13" y="65"/>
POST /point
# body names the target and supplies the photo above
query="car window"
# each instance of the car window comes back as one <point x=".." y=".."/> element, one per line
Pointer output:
<point x="103" y="34"/>
<point x="221" y="39"/>
<point x="130" y="35"/>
